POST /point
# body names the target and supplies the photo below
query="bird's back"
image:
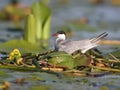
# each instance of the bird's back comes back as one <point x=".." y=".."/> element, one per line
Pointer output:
<point x="72" y="46"/>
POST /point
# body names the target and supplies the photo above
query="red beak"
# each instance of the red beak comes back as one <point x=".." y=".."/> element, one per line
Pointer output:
<point x="55" y="34"/>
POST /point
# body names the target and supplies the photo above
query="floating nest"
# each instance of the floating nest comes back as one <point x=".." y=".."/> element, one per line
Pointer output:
<point x="93" y="63"/>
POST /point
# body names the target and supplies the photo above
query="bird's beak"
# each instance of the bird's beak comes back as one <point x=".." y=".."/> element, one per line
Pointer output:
<point x="55" y="34"/>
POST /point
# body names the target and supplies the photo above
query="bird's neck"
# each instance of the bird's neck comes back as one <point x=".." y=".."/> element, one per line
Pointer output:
<point x="58" y="40"/>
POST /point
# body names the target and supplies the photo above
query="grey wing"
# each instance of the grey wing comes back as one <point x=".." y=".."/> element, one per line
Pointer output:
<point x="67" y="46"/>
<point x="72" y="46"/>
<point x="86" y="45"/>
<point x="82" y="45"/>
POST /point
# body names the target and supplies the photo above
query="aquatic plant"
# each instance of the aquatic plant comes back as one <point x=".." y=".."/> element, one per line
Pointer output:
<point x="39" y="25"/>
<point x="29" y="34"/>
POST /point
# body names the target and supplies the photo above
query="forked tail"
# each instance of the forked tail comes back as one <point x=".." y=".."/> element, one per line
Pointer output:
<point x="99" y="38"/>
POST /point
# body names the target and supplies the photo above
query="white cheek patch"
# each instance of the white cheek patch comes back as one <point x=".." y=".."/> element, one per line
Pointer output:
<point x="62" y="36"/>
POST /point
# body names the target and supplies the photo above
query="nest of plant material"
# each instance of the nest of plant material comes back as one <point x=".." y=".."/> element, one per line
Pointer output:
<point x="93" y="63"/>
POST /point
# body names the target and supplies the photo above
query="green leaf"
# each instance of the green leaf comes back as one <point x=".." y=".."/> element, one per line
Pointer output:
<point x="30" y="31"/>
<point x="61" y="59"/>
<point x="36" y="11"/>
<point x="22" y="45"/>
<point x="42" y="20"/>
<point x="46" y="29"/>
<point x="45" y="11"/>
<point x="80" y="60"/>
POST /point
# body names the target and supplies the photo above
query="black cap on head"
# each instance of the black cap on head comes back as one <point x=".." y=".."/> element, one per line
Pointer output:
<point x="14" y="1"/>
<point x="61" y="32"/>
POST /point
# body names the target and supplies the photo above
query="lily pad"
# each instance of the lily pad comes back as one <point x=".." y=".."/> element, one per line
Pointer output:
<point x="80" y="60"/>
<point x="22" y="45"/>
<point x="61" y="59"/>
<point x="83" y="59"/>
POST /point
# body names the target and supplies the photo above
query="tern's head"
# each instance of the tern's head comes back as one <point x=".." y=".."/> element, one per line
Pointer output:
<point x="60" y="35"/>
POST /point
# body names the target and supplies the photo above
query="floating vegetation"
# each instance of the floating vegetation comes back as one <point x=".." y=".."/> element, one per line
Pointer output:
<point x="90" y="64"/>
<point x="22" y="45"/>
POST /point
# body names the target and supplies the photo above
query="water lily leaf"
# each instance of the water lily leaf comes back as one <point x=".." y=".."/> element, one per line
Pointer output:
<point x="64" y="59"/>
<point x="83" y="59"/>
<point x="80" y="60"/>
<point x="61" y="59"/>
<point x="22" y="45"/>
